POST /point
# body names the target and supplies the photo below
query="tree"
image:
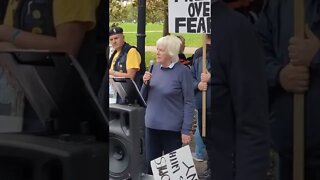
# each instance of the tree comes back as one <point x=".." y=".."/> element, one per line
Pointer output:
<point x="157" y="11"/>
<point x="166" y="19"/>
<point x="117" y="11"/>
<point x="132" y="12"/>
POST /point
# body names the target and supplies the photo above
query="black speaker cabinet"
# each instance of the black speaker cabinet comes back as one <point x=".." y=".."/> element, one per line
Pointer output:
<point x="126" y="142"/>
<point x="27" y="157"/>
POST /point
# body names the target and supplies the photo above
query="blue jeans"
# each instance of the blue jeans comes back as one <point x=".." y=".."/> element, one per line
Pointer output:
<point x="199" y="146"/>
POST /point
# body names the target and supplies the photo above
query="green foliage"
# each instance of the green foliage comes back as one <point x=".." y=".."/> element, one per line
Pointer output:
<point x="117" y="11"/>
<point x="132" y="13"/>
<point x="155" y="10"/>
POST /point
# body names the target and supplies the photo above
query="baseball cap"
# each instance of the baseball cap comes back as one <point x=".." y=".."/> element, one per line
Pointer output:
<point x="115" y="30"/>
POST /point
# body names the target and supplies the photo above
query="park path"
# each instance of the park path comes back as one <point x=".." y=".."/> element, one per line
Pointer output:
<point x="187" y="50"/>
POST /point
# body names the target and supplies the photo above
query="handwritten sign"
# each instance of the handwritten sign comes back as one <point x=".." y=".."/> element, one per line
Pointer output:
<point x="189" y="16"/>
<point x="177" y="165"/>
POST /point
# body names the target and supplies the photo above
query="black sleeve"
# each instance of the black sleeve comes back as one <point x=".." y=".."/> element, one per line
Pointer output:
<point x="273" y="65"/>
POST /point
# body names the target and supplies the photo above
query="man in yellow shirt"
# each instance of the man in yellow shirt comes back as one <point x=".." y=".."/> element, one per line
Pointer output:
<point x="126" y="60"/>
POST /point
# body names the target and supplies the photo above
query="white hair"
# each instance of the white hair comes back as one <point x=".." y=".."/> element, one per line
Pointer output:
<point x="172" y="46"/>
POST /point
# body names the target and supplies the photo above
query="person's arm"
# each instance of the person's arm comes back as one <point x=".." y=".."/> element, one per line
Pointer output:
<point x="249" y="97"/>
<point x="273" y="65"/>
<point x="194" y="72"/>
<point x="132" y="64"/>
<point x="282" y="75"/>
<point x="198" y="85"/>
<point x="68" y="38"/>
<point x="144" y="92"/>
<point x="304" y="51"/>
<point x="131" y="73"/>
<point x="146" y="86"/>
<point x="188" y="101"/>
<point x="72" y="19"/>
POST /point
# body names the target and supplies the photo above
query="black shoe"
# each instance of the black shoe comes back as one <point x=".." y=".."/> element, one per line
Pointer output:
<point x="206" y="175"/>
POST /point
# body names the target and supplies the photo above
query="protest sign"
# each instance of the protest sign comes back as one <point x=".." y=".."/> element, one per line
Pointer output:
<point x="177" y="165"/>
<point x="189" y="16"/>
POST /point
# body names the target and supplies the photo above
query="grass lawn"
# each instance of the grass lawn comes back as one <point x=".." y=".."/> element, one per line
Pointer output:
<point x="153" y="33"/>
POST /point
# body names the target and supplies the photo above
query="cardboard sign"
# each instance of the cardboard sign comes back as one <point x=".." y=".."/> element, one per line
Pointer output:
<point x="177" y="165"/>
<point x="189" y="16"/>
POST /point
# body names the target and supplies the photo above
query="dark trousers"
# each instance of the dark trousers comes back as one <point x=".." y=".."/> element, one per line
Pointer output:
<point x="312" y="164"/>
<point x="160" y="141"/>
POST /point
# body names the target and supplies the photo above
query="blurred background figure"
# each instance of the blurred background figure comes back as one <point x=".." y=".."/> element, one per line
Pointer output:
<point x="67" y="26"/>
<point x="182" y="57"/>
<point x="201" y="82"/>
<point x="56" y="26"/>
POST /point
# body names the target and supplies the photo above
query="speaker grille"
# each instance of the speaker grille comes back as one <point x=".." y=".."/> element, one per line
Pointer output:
<point x="119" y="158"/>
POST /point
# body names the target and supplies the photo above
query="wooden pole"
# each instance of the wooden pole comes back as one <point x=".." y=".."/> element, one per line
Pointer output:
<point x="298" y="102"/>
<point x="204" y="98"/>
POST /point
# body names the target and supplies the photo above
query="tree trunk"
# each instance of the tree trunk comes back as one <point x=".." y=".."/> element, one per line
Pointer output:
<point x="166" y="19"/>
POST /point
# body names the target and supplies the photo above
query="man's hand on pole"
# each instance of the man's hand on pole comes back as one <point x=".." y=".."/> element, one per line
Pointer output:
<point x="294" y="79"/>
<point x="205" y="77"/>
<point x="302" y="50"/>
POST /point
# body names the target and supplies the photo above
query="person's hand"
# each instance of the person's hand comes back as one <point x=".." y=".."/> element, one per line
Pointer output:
<point x="185" y="139"/>
<point x="294" y="79"/>
<point x="202" y="86"/>
<point x="302" y="50"/>
<point x="205" y="77"/>
<point x="146" y="77"/>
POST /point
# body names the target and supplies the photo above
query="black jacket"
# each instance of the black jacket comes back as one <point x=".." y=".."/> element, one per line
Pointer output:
<point x="237" y="129"/>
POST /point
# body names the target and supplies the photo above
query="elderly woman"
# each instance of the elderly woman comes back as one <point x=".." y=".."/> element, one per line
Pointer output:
<point x="170" y="101"/>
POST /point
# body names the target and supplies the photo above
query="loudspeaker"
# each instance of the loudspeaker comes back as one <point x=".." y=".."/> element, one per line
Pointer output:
<point x="126" y="142"/>
<point x="29" y="157"/>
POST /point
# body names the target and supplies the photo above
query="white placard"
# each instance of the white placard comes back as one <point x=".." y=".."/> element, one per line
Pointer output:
<point x="189" y="16"/>
<point x="177" y="165"/>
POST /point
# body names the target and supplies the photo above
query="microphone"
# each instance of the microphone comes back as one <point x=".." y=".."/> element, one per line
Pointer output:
<point x="151" y="65"/>
<point x="150" y="70"/>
